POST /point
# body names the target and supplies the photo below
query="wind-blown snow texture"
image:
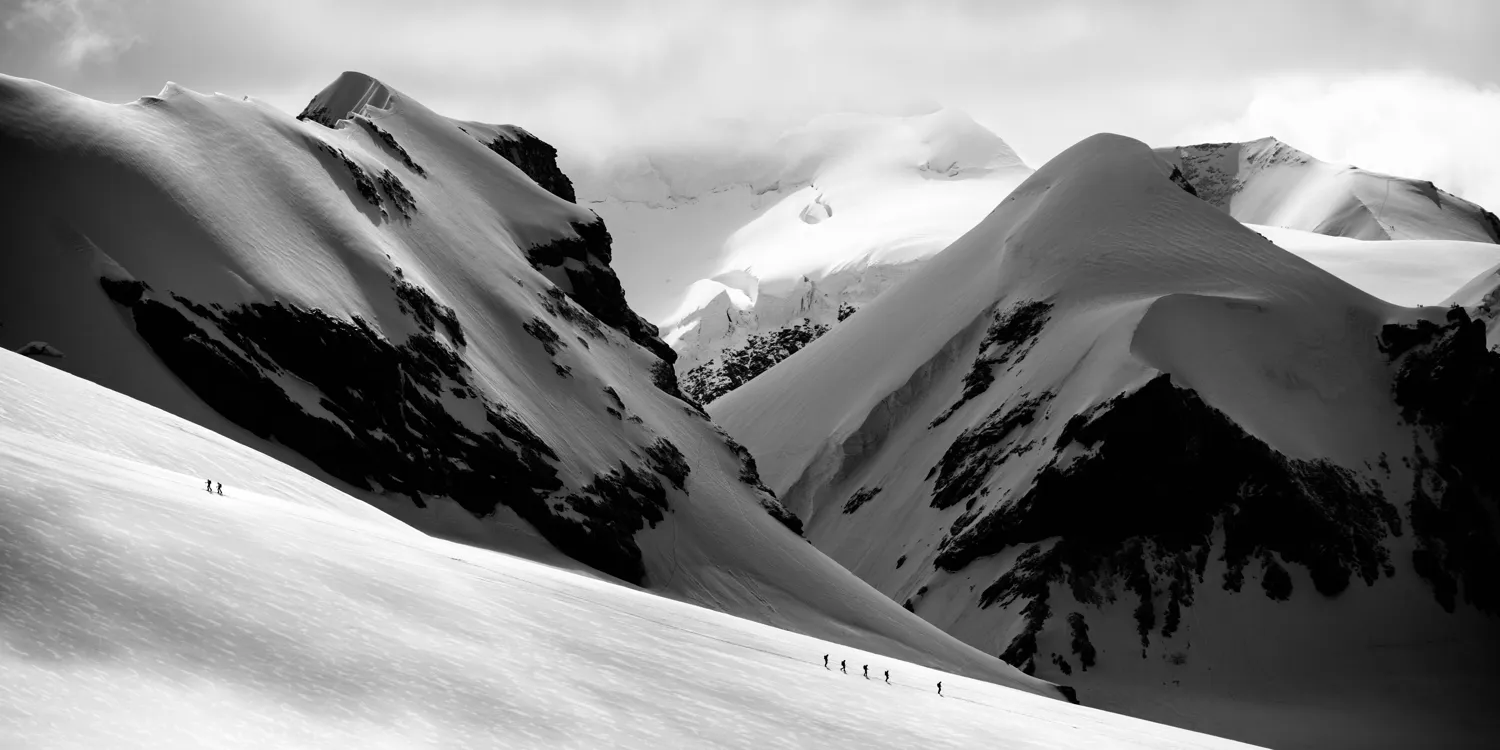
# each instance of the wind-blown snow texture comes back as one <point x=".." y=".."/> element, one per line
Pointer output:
<point x="141" y="612"/>
<point x="374" y="295"/>
<point x="1122" y="440"/>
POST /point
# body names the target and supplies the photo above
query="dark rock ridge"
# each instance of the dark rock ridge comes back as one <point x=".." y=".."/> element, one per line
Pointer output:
<point x="389" y="141"/>
<point x="859" y="498"/>
<point x="735" y="367"/>
<point x="750" y="476"/>
<point x="533" y="156"/>
<point x="1182" y="182"/>
<point x="1447" y="383"/>
<point x="1137" y="510"/>
<point x="369" y="188"/>
<point x="380" y="422"/>
<point x="593" y="284"/>
<point x="1010" y="336"/>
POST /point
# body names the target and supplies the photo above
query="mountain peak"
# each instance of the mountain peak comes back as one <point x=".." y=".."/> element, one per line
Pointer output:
<point x="351" y="93"/>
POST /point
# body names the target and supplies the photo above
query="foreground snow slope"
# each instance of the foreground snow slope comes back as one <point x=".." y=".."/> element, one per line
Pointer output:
<point x="790" y="240"/>
<point x="392" y="306"/>
<point x="1404" y="272"/>
<point x="140" y="611"/>
<point x="1269" y="182"/>
<point x="1122" y="440"/>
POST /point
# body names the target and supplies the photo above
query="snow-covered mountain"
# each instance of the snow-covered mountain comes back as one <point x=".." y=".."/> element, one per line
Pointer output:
<point x="375" y="294"/>
<point x="1119" y="438"/>
<point x="141" y="612"/>
<point x="1269" y="182"/>
<point x="792" y="239"/>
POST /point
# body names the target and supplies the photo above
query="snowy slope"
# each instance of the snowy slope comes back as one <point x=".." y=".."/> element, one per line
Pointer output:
<point x="1405" y="272"/>
<point x="790" y="240"/>
<point x="1269" y="182"/>
<point x="140" y="611"/>
<point x="1122" y="440"/>
<point x="390" y="305"/>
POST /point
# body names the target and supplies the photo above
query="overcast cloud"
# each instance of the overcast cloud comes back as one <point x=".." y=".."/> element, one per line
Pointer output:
<point x="1406" y="86"/>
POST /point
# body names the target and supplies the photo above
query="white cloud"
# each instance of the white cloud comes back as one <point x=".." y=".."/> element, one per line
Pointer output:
<point x="87" y="30"/>
<point x="1409" y="124"/>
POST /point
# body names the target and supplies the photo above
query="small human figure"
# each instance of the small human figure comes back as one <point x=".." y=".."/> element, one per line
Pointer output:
<point x="208" y="485"/>
<point x="887" y="676"/>
<point x="867" y="671"/>
<point x="825" y="661"/>
<point x="940" y="688"/>
<point x="843" y="667"/>
<point x="221" y="488"/>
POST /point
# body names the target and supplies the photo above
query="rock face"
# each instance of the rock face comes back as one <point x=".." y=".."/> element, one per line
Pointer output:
<point x="1448" y="385"/>
<point x="591" y="282"/>
<point x="397" y="421"/>
<point x="533" y="156"/>
<point x="734" y="367"/>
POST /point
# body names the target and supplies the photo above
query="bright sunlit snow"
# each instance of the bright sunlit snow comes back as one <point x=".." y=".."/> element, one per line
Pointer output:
<point x="1411" y="273"/>
<point x="141" y="611"/>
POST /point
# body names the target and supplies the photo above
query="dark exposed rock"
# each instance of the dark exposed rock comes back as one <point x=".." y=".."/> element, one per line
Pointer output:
<point x="1062" y="664"/>
<point x="668" y="461"/>
<point x="1448" y="384"/>
<point x="1138" y="508"/>
<point x="416" y="302"/>
<point x="557" y="303"/>
<point x="780" y="513"/>
<point x="978" y="451"/>
<point x="1082" y="647"/>
<point x="901" y="561"/>
<point x="544" y="333"/>
<point x="380" y="423"/>
<point x="318" y="114"/>
<point x="1008" y="339"/>
<point x="536" y="158"/>
<point x="735" y="367"/>
<point x="593" y="283"/>
<point x="389" y="141"/>
<point x="665" y="380"/>
<point x="1182" y="182"/>
<point x="750" y="476"/>
<point x="864" y="495"/>
<point x="362" y="181"/>
<point x="397" y="192"/>
<point x="845" y="310"/>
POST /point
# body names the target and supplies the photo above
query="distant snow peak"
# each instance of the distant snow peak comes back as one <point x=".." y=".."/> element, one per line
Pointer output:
<point x="1266" y="181"/>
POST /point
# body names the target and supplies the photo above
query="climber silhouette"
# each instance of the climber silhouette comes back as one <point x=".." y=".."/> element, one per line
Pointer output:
<point x="208" y="485"/>
<point x="940" y="688"/>
<point x="867" y="671"/>
<point x="221" y="488"/>
<point x="843" y="668"/>
<point x="887" y="676"/>
<point x="825" y="661"/>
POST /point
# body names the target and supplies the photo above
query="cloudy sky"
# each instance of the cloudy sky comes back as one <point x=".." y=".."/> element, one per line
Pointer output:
<point x="1405" y="86"/>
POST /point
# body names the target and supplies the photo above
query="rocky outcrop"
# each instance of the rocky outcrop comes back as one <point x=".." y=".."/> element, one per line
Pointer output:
<point x="371" y="412"/>
<point x="533" y="156"/>
<point x="1157" y="475"/>
<point x="1448" y="384"/>
<point x="735" y="367"/>
<point x="593" y="284"/>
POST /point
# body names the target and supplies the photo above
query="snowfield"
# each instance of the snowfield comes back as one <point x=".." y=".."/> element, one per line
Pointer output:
<point x="140" y="611"/>
<point x="1410" y="273"/>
